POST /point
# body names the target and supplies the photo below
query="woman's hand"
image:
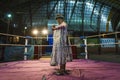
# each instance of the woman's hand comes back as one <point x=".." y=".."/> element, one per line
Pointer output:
<point x="53" y="27"/>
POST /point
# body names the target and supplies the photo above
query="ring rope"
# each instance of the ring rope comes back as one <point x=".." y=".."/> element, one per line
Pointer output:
<point x="11" y="35"/>
<point x="102" y="44"/>
<point x="68" y="37"/>
<point x="102" y="34"/>
<point x="78" y="45"/>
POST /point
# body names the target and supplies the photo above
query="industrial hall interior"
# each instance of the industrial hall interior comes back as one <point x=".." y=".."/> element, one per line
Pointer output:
<point x="39" y="36"/>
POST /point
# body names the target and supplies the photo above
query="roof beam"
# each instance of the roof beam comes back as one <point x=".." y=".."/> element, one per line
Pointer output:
<point x="111" y="3"/>
<point x="49" y="15"/>
<point x="73" y="9"/>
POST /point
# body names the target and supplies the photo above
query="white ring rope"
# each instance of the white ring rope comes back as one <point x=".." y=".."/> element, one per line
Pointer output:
<point x="102" y="34"/>
<point x="11" y="35"/>
<point x="68" y="37"/>
<point x="102" y="44"/>
<point x="78" y="45"/>
<point x="12" y="45"/>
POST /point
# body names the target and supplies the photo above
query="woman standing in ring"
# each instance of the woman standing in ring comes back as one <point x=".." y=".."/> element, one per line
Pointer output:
<point x="60" y="50"/>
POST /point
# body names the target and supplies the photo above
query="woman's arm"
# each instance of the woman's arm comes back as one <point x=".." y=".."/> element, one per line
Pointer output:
<point x="59" y="27"/>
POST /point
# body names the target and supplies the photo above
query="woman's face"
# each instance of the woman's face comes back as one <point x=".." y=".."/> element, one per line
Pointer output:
<point x="59" y="20"/>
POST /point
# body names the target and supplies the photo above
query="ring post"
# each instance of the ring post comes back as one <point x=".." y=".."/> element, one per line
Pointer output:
<point x="25" y="51"/>
<point x="86" y="53"/>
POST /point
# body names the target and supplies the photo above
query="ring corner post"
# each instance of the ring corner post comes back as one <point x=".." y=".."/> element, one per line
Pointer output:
<point x="25" y="50"/>
<point x="86" y="52"/>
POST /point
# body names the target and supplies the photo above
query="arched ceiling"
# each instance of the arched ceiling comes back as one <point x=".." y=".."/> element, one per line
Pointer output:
<point x="21" y="4"/>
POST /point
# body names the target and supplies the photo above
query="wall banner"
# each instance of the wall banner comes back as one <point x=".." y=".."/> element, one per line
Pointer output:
<point x="107" y="42"/>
